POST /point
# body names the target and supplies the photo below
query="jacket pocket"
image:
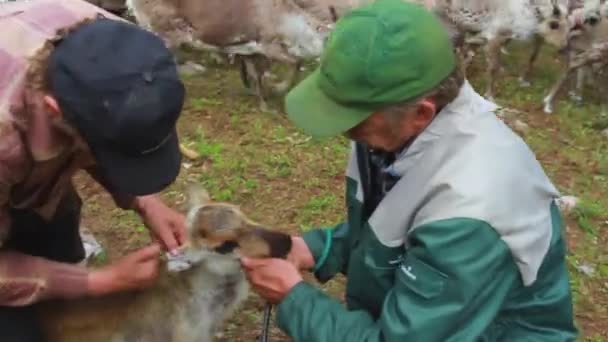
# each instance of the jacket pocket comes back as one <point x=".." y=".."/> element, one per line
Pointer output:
<point x="382" y="262"/>
<point x="421" y="278"/>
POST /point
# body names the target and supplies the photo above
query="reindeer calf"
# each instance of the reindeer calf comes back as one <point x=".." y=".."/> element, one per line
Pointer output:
<point x="588" y="36"/>
<point x="493" y="23"/>
<point x="186" y="305"/>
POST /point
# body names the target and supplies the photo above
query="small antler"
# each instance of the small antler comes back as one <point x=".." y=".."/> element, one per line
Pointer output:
<point x="334" y="14"/>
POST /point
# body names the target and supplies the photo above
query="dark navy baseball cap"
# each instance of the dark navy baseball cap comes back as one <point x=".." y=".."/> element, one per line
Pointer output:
<point x="118" y="85"/>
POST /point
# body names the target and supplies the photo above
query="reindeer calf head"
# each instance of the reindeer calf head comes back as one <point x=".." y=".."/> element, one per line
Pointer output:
<point x="588" y="25"/>
<point x="553" y="23"/>
<point x="221" y="231"/>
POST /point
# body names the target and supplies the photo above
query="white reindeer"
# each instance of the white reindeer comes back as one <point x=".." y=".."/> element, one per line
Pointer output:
<point x="589" y="33"/>
<point x="493" y="23"/>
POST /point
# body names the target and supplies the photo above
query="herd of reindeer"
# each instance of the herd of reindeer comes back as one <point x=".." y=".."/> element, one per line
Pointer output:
<point x="258" y="33"/>
<point x="191" y="303"/>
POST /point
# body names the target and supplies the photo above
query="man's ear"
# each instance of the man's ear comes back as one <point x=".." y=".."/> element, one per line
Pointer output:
<point x="52" y="106"/>
<point x="425" y="112"/>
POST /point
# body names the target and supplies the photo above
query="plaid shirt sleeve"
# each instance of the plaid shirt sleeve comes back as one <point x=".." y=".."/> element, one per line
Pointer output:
<point x="25" y="279"/>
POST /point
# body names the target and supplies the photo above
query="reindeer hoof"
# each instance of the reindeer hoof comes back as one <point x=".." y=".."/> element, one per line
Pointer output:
<point x="264" y="106"/>
<point x="548" y="108"/>
<point x="575" y="97"/>
<point x="280" y="89"/>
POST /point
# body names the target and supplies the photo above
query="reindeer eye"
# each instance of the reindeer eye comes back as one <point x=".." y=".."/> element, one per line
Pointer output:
<point x="593" y="21"/>
<point x="226" y="247"/>
<point x="554" y="25"/>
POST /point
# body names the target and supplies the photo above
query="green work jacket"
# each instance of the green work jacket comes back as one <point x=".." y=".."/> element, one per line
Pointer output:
<point x="467" y="246"/>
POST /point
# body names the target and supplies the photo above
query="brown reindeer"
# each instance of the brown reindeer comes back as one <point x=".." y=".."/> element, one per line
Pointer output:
<point x="252" y="30"/>
<point x="192" y="298"/>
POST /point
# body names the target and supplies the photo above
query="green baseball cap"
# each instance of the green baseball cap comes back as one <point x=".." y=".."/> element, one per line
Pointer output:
<point x="378" y="54"/>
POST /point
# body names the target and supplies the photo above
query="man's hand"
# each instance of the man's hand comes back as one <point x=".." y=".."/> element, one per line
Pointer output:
<point x="300" y="254"/>
<point x="272" y="279"/>
<point x="134" y="271"/>
<point x="165" y="224"/>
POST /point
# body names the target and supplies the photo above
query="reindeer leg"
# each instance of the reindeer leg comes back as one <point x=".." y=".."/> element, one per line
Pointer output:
<point x="243" y="73"/>
<point x="524" y="80"/>
<point x="603" y="87"/>
<point x="503" y="48"/>
<point x="283" y="87"/>
<point x="255" y="76"/>
<point x="465" y="56"/>
<point x="576" y="95"/>
<point x="492" y="51"/>
<point x="469" y="49"/>
<point x="218" y="58"/>
<point x="550" y="98"/>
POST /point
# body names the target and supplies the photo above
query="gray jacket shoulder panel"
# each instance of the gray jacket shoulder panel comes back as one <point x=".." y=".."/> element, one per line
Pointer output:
<point x="469" y="164"/>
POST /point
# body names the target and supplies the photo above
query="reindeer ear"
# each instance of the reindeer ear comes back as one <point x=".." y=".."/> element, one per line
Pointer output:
<point x="539" y="14"/>
<point x="197" y="196"/>
<point x="261" y="242"/>
<point x="333" y="13"/>
<point x="556" y="11"/>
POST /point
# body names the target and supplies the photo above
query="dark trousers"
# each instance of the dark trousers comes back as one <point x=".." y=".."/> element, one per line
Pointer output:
<point x="57" y="239"/>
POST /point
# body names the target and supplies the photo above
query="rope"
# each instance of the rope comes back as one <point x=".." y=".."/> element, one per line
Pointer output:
<point x="266" y="323"/>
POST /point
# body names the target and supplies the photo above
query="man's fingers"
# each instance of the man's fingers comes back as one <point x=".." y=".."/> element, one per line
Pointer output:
<point x="149" y="252"/>
<point x="168" y="239"/>
<point x="179" y="229"/>
<point x="251" y="263"/>
<point x="180" y="235"/>
<point x="246" y="263"/>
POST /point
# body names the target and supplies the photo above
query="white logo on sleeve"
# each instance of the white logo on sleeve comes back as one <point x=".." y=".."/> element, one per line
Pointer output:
<point x="408" y="271"/>
<point x="396" y="261"/>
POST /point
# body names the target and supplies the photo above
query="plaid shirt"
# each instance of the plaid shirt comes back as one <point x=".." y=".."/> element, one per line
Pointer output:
<point x="36" y="164"/>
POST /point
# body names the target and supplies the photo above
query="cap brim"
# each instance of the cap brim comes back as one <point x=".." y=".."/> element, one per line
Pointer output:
<point x="141" y="175"/>
<point x="316" y="114"/>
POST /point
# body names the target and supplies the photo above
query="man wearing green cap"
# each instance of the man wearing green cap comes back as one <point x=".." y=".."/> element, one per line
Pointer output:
<point x="452" y="233"/>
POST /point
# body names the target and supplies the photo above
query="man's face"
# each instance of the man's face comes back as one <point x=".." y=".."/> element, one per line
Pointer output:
<point x="389" y="134"/>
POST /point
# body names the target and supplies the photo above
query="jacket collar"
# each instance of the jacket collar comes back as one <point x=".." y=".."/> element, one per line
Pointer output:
<point x="466" y="104"/>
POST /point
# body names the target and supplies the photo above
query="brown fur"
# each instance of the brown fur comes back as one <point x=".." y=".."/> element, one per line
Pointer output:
<point x="249" y="29"/>
<point x="189" y="306"/>
<point x="226" y="26"/>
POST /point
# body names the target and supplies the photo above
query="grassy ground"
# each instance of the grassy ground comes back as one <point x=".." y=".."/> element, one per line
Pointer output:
<point x="285" y="180"/>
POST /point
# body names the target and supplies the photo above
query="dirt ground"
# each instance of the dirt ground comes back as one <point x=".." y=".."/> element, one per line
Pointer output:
<point x="285" y="180"/>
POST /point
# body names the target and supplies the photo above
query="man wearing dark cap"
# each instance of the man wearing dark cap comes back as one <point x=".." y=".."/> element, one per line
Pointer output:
<point x="452" y="230"/>
<point x="80" y="89"/>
